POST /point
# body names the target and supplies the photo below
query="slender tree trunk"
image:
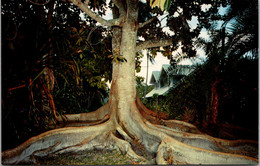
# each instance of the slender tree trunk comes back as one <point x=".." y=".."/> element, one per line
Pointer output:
<point x="146" y="81"/>
<point x="213" y="110"/>
<point x="214" y="102"/>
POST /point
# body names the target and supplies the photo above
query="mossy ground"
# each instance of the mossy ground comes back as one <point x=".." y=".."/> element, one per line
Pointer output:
<point x="95" y="157"/>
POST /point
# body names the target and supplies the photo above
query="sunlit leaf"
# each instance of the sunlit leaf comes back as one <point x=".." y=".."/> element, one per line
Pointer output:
<point x="79" y="51"/>
<point x="138" y="69"/>
<point x="167" y="5"/>
<point x="81" y="30"/>
<point x="159" y="3"/>
<point x="38" y="75"/>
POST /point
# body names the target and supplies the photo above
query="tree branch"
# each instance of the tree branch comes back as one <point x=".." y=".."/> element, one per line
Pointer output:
<point x="120" y="6"/>
<point x="84" y="7"/>
<point x="35" y="3"/>
<point x="132" y="8"/>
<point x="147" y="22"/>
<point x="153" y="43"/>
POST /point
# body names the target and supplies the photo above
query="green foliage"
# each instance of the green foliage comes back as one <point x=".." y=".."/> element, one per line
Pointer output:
<point x="178" y="13"/>
<point x="191" y="100"/>
<point x="84" y="71"/>
<point x="140" y="86"/>
<point x="138" y="61"/>
<point x="158" y="104"/>
<point x="193" y="95"/>
<point x="116" y="57"/>
<point x="49" y="66"/>
<point x="234" y="63"/>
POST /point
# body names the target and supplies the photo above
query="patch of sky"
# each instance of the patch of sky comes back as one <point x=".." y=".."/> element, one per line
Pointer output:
<point x="205" y="7"/>
<point x="223" y="10"/>
<point x="193" y="23"/>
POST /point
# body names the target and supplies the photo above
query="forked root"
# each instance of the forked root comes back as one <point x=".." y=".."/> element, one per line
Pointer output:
<point x="160" y="159"/>
<point x="59" y="141"/>
<point x="189" y="147"/>
<point x="210" y="143"/>
<point x="125" y="147"/>
<point x="189" y="154"/>
<point x="90" y="118"/>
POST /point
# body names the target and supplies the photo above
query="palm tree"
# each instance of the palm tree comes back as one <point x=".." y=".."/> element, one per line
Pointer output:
<point x="227" y="45"/>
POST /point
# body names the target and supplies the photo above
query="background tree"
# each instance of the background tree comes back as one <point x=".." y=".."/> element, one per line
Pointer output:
<point x="224" y="78"/>
<point x="230" y="46"/>
<point x="124" y="119"/>
<point x="49" y="69"/>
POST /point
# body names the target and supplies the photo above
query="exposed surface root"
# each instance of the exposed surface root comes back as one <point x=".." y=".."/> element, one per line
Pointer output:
<point x="148" y="114"/>
<point x="198" y="148"/>
<point x="189" y="154"/>
<point x="174" y="142"/>
<point x="94" y="117"/>
<point x="181" y="126"/>
<point x="125" y="147"/>
<point x="58" y="141"/>
<point x="79" y="123"/>
<point x="160" y="154"/>
<point x="211" y="143"/>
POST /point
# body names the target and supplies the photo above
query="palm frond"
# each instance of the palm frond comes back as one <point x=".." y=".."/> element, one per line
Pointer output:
<point x="151" y="59"/>
<point x="180" y="57"/>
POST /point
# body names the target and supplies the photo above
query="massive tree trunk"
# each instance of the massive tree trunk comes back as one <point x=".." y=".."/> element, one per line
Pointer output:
<point x="124" y="122"/>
